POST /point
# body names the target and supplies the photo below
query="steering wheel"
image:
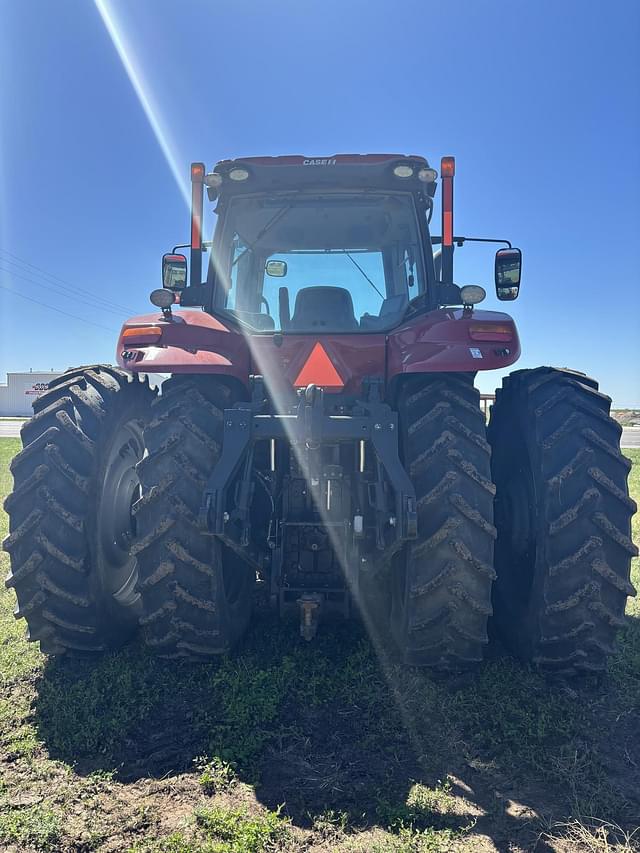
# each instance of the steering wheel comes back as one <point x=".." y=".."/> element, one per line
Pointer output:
<point x="264" y="299"/>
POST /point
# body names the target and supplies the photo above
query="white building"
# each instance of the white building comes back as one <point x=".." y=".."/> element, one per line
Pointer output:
<point x="17" y="396"/>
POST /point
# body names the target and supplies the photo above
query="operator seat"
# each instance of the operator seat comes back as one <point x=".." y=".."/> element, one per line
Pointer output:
<point x="323" y="307"/>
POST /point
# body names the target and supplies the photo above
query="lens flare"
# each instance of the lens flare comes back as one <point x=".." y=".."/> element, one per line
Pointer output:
<point x="141" y="86"/>
<point x="274" y="384"/>
<point x="142" y="89"/>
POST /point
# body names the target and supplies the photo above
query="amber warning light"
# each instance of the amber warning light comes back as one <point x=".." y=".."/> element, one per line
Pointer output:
<point x="448" y="167"/>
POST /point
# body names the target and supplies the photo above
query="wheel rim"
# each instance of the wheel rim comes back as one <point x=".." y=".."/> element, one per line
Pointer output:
<point x="120" y="489"/>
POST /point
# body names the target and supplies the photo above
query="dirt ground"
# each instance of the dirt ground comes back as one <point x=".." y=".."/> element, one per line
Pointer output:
<point x="313" y="747"/>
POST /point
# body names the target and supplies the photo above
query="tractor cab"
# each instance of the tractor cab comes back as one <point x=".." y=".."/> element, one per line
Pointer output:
<point x="320" y="245"/>
<point x="326" y="245"/>
<point x="319" y="262"/>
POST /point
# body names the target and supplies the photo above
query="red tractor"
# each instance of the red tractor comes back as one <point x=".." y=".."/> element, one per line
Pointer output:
<point x="319" y="444"/>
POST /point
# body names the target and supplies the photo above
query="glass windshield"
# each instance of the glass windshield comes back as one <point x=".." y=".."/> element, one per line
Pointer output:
<point x="329" y="263"/>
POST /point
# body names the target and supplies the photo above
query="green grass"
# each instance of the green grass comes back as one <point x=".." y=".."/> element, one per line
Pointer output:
<point x="31" y="827"/>
<point x="361" y="756"/>
<point x="218" y="829"/>
<point x="16" y="658"/>
<point x="634" y="489"/>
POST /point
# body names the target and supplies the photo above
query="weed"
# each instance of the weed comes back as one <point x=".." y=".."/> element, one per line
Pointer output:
<point x="216" y="775"/>
<point x="425" y="841"/>
<point x="239" y="832"/>
<point x="34" y="826"/>
<point x="423" y="808"/>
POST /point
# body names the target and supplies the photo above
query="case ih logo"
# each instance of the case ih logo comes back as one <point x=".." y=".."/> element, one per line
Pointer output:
<point x="320" y="161"/>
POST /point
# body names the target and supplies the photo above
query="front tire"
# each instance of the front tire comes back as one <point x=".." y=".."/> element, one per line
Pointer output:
<point x="70" y="517"/>
<point x="563" y="515"/>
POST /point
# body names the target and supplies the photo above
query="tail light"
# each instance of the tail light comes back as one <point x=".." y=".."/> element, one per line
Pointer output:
<point x="490" y="332"/>
<point x="134" y="336"/>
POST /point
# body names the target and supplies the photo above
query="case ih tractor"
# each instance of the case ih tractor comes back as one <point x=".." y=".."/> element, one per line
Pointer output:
<point x="319" y="444"/>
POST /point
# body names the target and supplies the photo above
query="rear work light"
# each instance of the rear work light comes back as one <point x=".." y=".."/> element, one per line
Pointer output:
<point x="238" y="174"/>
<point x="490" y="332"/>
<point x="163" y="298"/>
<point x="403" y="171"/>
<point x="427" y="175"/>
<point x="141" y="335"/>
<point x="472" y="294"/>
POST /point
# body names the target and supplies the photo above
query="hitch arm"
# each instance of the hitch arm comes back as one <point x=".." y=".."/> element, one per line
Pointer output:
<point x="235" y="441"/>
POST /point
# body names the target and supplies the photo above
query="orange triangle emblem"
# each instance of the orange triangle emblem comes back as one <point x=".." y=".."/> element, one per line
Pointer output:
<point x="319" y="370"/>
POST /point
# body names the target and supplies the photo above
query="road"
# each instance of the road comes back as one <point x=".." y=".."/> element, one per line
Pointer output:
<point x="11" y="429"/>
<point x="631" y="436"/>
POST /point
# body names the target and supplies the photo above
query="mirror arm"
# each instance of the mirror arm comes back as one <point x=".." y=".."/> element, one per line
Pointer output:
<point x="197" y="295"/>
<point x="460" y="241"/>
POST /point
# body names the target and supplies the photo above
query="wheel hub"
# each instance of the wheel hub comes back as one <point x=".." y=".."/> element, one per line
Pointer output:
<point x="116" y="525"/>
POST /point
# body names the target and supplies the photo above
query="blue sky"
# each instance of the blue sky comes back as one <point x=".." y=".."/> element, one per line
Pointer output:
<point x="538" y="101"/>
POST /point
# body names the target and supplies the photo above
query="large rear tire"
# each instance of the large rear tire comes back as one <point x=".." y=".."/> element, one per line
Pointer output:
<point x="441" y="584"/>
<point x="196" y="595"/>
<point x="563" y="515"/>
<point x="70" y="517"/>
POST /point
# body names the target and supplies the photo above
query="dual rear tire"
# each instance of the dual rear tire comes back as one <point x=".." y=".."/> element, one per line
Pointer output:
<point x="552" y="479"/>
<point x="104" y="535"/>
<point x="563" y="515"/>
<point x="441" y="584"/>
<point x="197" y="595"/>
<point x="70" y="511"/>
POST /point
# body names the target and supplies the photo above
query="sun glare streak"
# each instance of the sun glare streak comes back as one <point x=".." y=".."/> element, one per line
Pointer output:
<point x="151" y="110"/>
<point x="377" y="637"/>
<point x="281" y="401"/>
<point x="5" y="220"/>
<point x="142" y="89"/>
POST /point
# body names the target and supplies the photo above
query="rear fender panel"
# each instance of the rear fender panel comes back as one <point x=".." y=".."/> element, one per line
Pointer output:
<point x="441" y="342"/>
<point x="191" y="342"/>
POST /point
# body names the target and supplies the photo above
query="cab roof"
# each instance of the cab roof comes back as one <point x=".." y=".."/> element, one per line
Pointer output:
<point x="337" y="171"/>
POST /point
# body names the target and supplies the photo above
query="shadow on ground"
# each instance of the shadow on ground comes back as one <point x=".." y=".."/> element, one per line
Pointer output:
<point x="325" y="727"/>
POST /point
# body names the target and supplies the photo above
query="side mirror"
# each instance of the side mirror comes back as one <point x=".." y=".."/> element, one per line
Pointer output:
<point x="507" y="274"/>
<point x="174" y="272"/>
<point x="277" y="269"/>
